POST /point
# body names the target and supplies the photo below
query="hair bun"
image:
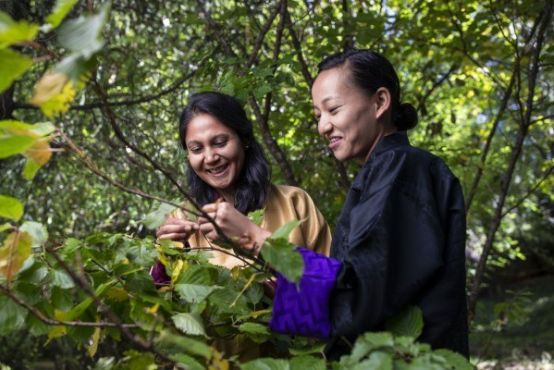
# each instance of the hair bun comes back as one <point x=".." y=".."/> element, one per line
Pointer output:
<point x="407" y="117"/>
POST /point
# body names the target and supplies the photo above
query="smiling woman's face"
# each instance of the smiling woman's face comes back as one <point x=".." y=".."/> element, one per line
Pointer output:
<point x="215" y="152"/>
<point x="346" y="116"/>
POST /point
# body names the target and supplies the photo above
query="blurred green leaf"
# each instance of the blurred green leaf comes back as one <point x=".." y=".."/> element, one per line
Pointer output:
<point x="83" y="35"/>
<point x="10" y="208"/>
<point x="12" y="66"/>
<point x="38" y="232"/>
<point x="157" y="217"/>
<point x="62" y="8"/>
<point x="12" y="32"/>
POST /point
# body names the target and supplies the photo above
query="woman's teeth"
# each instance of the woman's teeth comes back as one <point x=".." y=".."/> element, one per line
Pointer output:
<point x="218" y="169"/>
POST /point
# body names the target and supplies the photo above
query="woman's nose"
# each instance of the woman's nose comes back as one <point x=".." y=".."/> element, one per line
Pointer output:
<point x="324" y="125"/>
<point x="211" y="156"/>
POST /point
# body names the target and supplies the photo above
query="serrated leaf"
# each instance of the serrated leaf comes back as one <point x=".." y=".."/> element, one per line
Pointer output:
<point x="266" y="364"/>
<point x="284" y="258"/>
<point x="188" y="362"/>
<point x="408" y="322"/>
<point x="376" y="361"/>
<point x="104" y="363"/>
<point x="366" y="344"/>
<point x="189" y="323"/>
<point x="37" y="231"/>
<point x="254" y="328"/>
<point x="284" y="231"/>
<point x="195" y="293"/>
<point x="171" y="343"/>
<point x="13" y="253"/>
<point x="10" y="207"/>
<point x="83" y="35"/>
<point x="62" y="8"/>
<point x="157" y="217"/>
<point x="12" y="66"/>
<point x="457" y="361"/>
<point x="12" y="32"/>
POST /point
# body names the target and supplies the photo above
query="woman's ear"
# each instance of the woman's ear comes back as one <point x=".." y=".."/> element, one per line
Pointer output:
<point x="382" y="101"/>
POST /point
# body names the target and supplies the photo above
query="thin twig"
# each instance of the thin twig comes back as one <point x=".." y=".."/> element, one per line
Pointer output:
<point x="48" y="321"/>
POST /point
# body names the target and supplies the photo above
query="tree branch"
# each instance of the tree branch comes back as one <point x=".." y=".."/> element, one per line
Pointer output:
<point x="48" y="321"/>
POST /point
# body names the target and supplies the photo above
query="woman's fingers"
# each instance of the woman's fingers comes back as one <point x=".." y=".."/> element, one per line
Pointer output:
<point x="177" y="237"/>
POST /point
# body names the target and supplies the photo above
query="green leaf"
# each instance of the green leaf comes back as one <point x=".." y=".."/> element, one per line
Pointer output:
<point x="189" y="323"/>
<point x="376" y="361"/>
<point x="408" y="322"/>
<point x="61" y="279"/>
<point x="283" y="257"/>
<point x="37" y="231"/>
<point x="257" y="332"/>
<point x="15" y="250"/>
<point x="157" y="217"/>
<point x="195" y="293"/>
<point x="457" y="361"/>
<point x="284" y="231"/>
<point x="366" y="344"/>
<point x="13" y="65"/>
<point x="104" y="363"/>
<point x="30" y="170"/>
<point x="12" y="316"/>
<point x="171" y="343"/>
<point x="14" y="144"/>
<point x="307" y="362"/>
<point x="266" y="364"/>
<point x="187" y="362"/>
<point x="12" y="32"/>
<point x="60" y="11"/>
<point x="10" y="207"/>
<point x="256" y="216"/>
<point x="82" y="36"/>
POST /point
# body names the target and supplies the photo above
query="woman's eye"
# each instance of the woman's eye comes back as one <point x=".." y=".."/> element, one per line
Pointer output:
<point x="195" y="149"/>
<point x="334" y="110"/>
<point x="220" y="144"/>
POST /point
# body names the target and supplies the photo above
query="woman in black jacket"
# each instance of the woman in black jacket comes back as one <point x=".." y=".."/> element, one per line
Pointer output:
<point x="400" y="238"/>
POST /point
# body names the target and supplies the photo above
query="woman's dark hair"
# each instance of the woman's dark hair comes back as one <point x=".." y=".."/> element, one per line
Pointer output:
<point x="252" y="185"/>
<point x="369" y="71"/>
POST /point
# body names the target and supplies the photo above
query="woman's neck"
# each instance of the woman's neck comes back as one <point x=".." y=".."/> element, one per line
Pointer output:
<point x="227" y="195"/>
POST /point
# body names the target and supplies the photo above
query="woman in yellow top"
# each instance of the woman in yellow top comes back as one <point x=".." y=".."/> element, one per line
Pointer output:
<point x="227" y="164"/>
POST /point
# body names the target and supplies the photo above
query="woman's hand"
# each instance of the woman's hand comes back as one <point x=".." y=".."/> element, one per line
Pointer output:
<point x="233" y="224"/>
<point x="176" y="229"/>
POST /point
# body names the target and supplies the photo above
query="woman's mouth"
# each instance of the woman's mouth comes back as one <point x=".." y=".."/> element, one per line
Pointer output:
<point x="219" y="170"/>
<point x="334" y="142"/>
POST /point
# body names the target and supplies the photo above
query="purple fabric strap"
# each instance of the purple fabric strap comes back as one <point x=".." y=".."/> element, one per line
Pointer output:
<point x="159" y="275"/>
<point x="305" y="311"/>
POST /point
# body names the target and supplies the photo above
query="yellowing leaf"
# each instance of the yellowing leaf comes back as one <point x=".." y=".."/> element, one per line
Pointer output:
<point x="60" y="330"/>
<point x="117" y="294"/>
<point x="16" y="249"/>
<point x="54" y="93"/>
<point x="154" y="309"/>
<point x="177" y="268"/>
<point x="40" y="152"/>
<point x="94" y="340"/>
